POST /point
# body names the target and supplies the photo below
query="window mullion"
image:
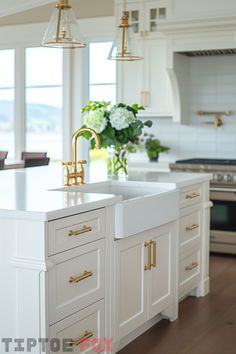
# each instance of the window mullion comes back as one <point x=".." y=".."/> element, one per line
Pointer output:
<point x="19" y="101"/>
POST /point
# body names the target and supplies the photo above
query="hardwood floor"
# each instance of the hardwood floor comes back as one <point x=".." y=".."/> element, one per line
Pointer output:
<point x="205" y="326"/>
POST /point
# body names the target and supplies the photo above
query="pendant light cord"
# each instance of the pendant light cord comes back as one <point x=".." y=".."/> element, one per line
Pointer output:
<point x="125" y="5"/>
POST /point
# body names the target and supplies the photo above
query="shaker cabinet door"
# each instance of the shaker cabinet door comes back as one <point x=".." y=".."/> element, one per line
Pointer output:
<point x="130" y="285"/>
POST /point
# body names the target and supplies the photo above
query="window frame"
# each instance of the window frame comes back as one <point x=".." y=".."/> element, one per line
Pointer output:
<point x="20" y="93"/>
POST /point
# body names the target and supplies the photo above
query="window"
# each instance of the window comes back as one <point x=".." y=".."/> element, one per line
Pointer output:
<point x="44" y="100"/>
<point x="102" y="73"/>
<point x="7" y="101"/>
<point x="102" y="87"/>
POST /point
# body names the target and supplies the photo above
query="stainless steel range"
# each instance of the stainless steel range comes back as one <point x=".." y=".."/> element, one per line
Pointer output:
<point x="223" y="196"/>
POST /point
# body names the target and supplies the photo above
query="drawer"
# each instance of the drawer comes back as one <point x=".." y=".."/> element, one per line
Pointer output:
<point x="67" y="233"/>
<point x="191" y="195"/>
<point x="76" y="280"/>
<point x="190" y="227"/>
<point x="88" y="323"/>
<point x="190" y="270"/>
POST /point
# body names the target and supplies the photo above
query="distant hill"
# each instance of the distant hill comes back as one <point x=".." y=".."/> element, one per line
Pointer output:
<point x="39" y="116"/>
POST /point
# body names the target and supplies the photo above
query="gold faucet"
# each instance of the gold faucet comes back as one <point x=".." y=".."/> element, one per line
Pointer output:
<point x="217" y="122"/>
<point x="72" y="174"/>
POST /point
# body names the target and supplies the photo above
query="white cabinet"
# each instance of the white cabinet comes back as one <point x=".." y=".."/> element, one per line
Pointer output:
<point x="194" y="240"/>
<point x="144" y="271"/>
<point x="144" y="16"/>
<point x="147" y="82"/>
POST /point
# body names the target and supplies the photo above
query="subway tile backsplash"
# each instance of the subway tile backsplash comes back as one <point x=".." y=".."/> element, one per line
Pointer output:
<point x="212" y="87"/>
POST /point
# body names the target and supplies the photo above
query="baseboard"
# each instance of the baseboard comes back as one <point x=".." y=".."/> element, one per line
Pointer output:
<point x="132" y="336"/>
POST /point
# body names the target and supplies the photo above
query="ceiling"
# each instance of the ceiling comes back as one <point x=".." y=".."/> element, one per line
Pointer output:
<point x="13" y="12"/>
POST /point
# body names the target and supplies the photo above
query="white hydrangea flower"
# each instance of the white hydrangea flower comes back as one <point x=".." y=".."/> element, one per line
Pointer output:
<point x="121" y="118"/>
<point x="96" y="120"/>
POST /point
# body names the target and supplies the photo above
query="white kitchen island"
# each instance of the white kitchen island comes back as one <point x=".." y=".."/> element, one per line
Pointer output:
<point x="66" y="277"/>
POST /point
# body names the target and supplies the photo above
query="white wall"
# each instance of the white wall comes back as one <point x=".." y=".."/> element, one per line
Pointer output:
<point x="212" y="86"/>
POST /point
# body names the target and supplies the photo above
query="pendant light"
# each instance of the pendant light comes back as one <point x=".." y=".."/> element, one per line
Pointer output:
<point x="62" y="31"/>
<point x="121" y="49"/>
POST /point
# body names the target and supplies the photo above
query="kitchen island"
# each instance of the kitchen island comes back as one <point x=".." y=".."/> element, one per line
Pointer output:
<point x="65" y="276"/>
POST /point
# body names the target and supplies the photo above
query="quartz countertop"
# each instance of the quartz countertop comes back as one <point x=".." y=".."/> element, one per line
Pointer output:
<point x="28" y="193"/>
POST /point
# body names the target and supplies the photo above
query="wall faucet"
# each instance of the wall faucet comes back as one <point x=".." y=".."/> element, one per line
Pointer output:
<point x="73" y="175"/>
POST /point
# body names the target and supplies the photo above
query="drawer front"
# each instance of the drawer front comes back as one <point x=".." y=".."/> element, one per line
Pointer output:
<point x="190" y="270"/>
<point x="73" y="331"/>
<point x="191" y="195"/>
<point x="67" y="233"/>
<point x="76" y="280"/>
<point x="190" y="227"/>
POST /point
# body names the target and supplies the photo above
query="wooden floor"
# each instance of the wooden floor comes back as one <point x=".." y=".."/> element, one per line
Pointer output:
<point x="205" y="326"/>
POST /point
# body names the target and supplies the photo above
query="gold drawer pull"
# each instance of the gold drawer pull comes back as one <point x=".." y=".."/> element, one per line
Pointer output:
<point x="192" y="227"/>
<point x="80" y="232"/>
<point x="149" y="266"/>
<point x="154" y="254"/>
<point x="192" y="266"/>
<point x="192" y="195"/>
<point x="78" y="341"/>
<point x="80" y="277"/>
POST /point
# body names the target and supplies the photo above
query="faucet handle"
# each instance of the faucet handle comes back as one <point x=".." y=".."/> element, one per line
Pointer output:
<point x="67" y="165"/>
<point x="82" y="162"/>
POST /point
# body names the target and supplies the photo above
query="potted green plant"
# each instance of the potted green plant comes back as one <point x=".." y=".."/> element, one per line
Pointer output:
<point x="153" y="147"/>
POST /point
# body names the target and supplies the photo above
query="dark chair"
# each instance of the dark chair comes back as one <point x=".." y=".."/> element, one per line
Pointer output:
<point x="36" y="162"/>
<point x="3" y="155"/>
<point x="1" y="164"/>
<point x="33" y="155"/>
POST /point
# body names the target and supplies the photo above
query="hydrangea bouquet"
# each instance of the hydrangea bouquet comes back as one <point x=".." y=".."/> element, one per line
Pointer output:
<point x="118" y="128"/>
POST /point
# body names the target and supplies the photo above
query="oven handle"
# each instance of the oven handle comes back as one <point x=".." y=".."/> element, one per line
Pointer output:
<point x="222" y="194"/>
<point x="229" y="190"/>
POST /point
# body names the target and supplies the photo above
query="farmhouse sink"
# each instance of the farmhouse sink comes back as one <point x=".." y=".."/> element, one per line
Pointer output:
<point x="144" y="205"/>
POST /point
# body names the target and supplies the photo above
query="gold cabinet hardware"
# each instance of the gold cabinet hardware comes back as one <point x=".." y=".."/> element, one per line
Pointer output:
<point x="149" y="266"/>
<point x="79" y="278"/>
<point x="192" y="227"/>
<point x="192" y="195"/>
<point x="192" y="266"/>
<point x="80" y="232"/>
<point x="78" y="341"/>
<point x="154" y="254"/>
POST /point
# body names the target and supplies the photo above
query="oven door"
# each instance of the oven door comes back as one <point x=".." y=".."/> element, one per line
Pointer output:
<point x="223" y="220"/>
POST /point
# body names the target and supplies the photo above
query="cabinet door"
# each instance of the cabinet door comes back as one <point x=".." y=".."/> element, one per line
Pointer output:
<point x="155" y="12"/>
<point x="159" y="289"/>
<point x="157" y="82"/>
<point x="136" y="17"/>
<point x="130" y="77"/>
<point x="130" y="285"/>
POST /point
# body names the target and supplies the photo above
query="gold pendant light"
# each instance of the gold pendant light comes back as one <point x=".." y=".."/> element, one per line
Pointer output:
<point x="62" y="31"/>
<point x="121" y="49"/>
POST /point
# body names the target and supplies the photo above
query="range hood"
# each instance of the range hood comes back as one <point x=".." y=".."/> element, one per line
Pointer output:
<point x="208" y="53"/>
<point x="186" y="43"/>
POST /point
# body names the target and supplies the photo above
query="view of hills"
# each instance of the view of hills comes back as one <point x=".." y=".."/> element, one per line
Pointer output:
<point x="40" y="117"/>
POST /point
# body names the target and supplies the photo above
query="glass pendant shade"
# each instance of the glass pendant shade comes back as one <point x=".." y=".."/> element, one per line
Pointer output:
<point x="62" y="31"/>
<point x="122" y="47"/>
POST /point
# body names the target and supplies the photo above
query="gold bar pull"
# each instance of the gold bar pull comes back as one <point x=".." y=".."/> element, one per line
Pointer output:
<point x="79" y="278"/>
<point x="192" y="227"/>
<point x="78" y="341"/>
<point x="154" y="254"/>
<point x="149" y="266"/>
<point x="192" y="195"/>
<point x="192" y="266"/>
<point x="80" y="232"/>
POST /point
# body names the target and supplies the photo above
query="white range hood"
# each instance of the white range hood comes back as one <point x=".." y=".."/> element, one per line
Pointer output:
<point x="187" y="39"/>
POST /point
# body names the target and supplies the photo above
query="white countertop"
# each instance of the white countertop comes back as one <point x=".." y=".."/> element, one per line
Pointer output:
<point x="179" y="179"/>
<point x="27" y="193"/>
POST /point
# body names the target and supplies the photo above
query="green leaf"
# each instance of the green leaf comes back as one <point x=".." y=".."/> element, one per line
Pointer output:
<point x="148" y="123"/>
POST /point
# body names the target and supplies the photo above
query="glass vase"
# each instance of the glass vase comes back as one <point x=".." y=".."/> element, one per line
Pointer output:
<point x="117" y="164"/>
